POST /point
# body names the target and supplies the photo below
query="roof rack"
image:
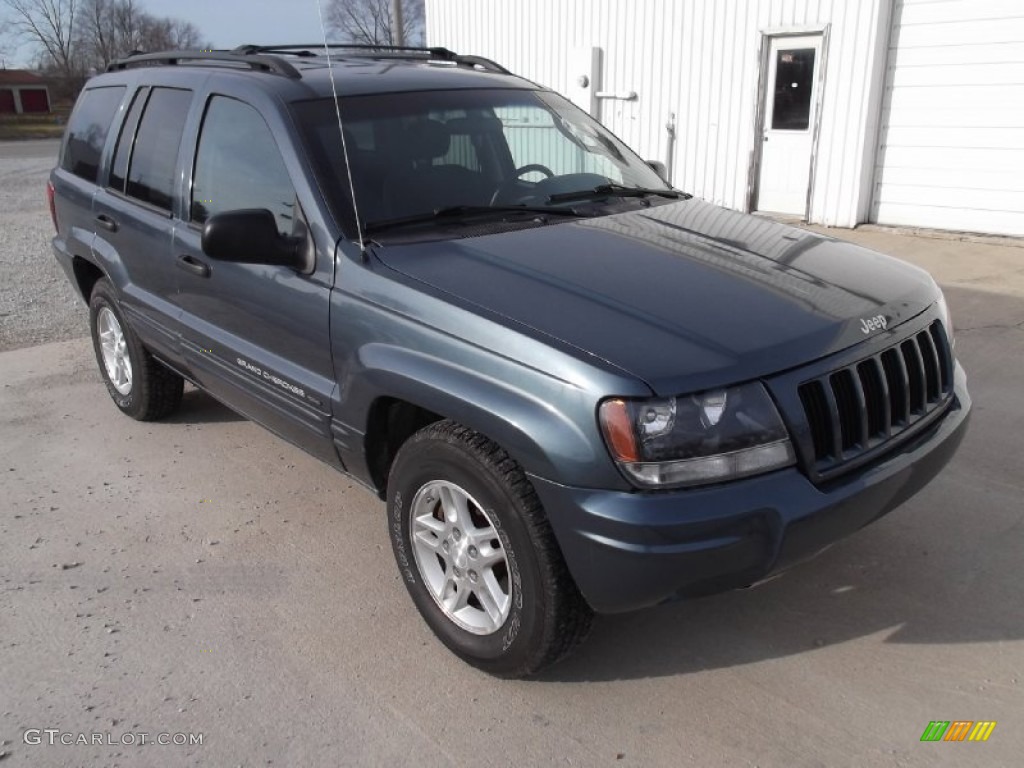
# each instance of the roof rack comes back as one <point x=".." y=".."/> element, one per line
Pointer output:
<point x="259" y="63"/>
<point x="267" y="58"/>
<point x="436" y="53"/>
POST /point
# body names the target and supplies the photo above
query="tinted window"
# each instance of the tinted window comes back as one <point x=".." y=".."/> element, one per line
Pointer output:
<point x="794" y="82"/>
<point x="154" y="158"/>
<point x="238" y="165"/>
<point x="88" y="128"/>
<point x="125" y="141"/>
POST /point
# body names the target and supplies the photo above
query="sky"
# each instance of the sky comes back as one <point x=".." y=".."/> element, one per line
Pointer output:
<point x="228" y="23"/>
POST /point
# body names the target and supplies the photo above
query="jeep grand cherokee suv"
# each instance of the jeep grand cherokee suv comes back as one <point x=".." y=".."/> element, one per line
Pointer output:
<point x="577" y="388"/>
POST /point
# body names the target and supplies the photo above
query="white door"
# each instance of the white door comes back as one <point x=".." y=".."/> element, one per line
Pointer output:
<point x="791" y="97"/>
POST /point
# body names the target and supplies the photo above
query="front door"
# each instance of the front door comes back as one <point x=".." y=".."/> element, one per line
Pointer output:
<point x="790" y="98"/>
<point x="256" y="336"/>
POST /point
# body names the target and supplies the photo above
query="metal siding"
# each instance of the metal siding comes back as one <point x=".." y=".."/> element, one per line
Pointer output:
<point x="952" y="152"/>
<point x="700" y="60"/>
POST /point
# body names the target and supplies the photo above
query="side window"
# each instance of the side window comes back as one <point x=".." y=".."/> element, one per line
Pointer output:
<point x="123" y="152"/>
<point x="88" y="128"/>
<point x="238" y="165"/>
<point x="154" y="158"/>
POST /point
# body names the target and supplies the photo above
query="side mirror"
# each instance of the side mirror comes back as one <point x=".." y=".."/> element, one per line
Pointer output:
<point x="250" y="236"/>
<point x="659" y="168"/>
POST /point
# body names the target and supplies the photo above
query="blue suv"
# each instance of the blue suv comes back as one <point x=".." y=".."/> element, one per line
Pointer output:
<point x="577" y="388"/>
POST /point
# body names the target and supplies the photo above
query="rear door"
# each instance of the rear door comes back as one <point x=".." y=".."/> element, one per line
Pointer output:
<point x="81" y="158"/>
<point x="133" y="214"/>
<point x="255" y="335"/>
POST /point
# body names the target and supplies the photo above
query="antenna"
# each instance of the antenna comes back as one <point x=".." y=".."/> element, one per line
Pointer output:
<point x="341" y="129"/>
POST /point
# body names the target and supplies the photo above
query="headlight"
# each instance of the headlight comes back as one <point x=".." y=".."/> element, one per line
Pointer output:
<point x="704" y="438"/>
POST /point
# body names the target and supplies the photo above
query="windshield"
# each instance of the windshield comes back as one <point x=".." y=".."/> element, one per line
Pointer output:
<point x="413" y="154"/>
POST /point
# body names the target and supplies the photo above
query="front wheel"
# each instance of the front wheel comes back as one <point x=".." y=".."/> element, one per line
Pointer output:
<point x="478" y="556"/>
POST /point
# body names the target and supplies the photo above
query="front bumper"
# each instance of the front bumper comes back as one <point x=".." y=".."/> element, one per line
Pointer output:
<point x="631" y="550"/>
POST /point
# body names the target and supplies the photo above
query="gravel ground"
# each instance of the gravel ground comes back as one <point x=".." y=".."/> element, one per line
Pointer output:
<point x="37" y="303"/>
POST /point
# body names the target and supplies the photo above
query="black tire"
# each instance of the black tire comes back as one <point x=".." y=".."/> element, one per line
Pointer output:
<point x="153" y="391"/>
<point x="548" y="616"/>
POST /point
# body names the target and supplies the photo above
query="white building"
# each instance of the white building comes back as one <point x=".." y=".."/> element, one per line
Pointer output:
<point x="903" y="112"/>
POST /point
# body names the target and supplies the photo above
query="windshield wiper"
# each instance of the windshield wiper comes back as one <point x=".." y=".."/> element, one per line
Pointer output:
<point x="619" y="190"/>
<point x="458" y="213"/>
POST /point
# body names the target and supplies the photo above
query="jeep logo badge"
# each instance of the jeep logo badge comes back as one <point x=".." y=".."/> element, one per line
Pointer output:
<point x="876" y="323"/>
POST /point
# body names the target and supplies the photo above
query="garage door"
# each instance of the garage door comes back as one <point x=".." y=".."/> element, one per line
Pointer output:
<point x="952" y="148"/>
<point x="34" y="100"/>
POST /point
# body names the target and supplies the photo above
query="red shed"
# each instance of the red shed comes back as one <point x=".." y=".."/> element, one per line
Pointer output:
<point x="23" y="92"/>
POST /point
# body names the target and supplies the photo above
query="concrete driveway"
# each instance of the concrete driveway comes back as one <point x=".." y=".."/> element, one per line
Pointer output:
<point x="201" y="577"/>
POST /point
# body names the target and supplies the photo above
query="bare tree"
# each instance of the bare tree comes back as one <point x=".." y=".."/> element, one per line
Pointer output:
<point x="97" y="38"/>
<point x="371" y="22"/>
<point x="166" y="34"/>
<point x="110" y="29"/>
<point x="125" y="21"/>
<point x="49" y="24"/>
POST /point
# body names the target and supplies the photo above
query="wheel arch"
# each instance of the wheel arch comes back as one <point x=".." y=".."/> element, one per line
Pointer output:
<point x="400" y="391"/>
<point x="87" y="274"/>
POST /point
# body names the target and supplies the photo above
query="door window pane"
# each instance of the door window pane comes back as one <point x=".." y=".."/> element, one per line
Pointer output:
<point x="155" y="157"/>
<point x="88" y="128"/>
<point x="794" y="84"/>
<point x="119" y="170"/>
<point x="238" y="166"/>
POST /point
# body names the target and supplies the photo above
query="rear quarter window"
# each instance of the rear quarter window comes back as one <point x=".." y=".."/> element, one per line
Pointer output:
<point x="88" y="128"/>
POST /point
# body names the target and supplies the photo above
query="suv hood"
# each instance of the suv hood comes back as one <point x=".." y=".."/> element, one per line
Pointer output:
<point x="684" y="296"/>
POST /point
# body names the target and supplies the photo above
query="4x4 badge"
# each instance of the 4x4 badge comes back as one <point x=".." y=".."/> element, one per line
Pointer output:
<point x="876" y="323"/>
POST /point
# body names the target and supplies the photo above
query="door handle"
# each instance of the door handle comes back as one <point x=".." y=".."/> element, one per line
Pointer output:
<point x="193" y="266"/>
<point x="106" y="222"/>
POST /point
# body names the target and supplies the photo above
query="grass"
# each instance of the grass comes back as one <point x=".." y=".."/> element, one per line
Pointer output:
<point x="49" y="126"/>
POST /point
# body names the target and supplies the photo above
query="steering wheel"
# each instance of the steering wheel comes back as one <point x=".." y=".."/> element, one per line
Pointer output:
<point x="509" y="183"/>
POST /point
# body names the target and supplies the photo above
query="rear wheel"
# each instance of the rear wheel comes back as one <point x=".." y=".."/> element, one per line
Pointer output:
<point x="477" y="553"/>
<point x="138" y="384"/>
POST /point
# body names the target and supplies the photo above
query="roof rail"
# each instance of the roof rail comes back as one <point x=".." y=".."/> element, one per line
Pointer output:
<point x="436" y="53"/>
<point x="267" y="58"/>
<point x="260" y="63"/>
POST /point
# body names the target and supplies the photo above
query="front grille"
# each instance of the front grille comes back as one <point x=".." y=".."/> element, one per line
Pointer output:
<point x="855" y="411"/>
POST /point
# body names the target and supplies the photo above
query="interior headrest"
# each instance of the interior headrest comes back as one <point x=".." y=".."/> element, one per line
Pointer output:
<point x="473" y="126"/>
<point x="427" y="139"/>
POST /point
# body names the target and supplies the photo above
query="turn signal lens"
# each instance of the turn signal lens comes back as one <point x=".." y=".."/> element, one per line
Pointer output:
<point x="618" y="430"/>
